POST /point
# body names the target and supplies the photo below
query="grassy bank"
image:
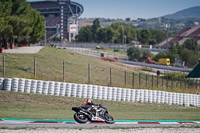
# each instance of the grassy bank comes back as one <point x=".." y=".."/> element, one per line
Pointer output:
<point x="50" y="67"/>
<point x="32" y="106"/>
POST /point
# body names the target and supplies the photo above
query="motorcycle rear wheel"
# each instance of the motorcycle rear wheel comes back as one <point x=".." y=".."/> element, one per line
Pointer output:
<point x="108" y="118"/>
<point x="80" y="118"/>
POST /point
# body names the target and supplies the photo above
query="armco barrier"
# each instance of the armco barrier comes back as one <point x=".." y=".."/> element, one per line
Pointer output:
<point x="97" y="92"/>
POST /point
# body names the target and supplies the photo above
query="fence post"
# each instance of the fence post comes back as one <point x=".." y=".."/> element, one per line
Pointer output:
<point x="172" y="83"/>
<point x="167" y="83"/>
<point x="152" y="81"/>
<point x="89" y="74"/>
<point x="4" y="67"/>
<point x="139" y="79"/>
<point x="133" y="80"/>
<point x="196" y="84"/>
<point x="125" y="78"/>
<point x="180" y="83"/>
<point x="177" y="83"/>
<point x="186" y="84"/>
<point x="64" y="71"/>
<point x="110" y="76"/>
<point x="35" y="67"/>
<point x="146" y="79"/>
<point x="157" y="81"/>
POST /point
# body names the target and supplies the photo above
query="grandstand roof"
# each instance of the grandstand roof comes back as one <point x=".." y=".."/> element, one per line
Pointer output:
<point x="42" y="1"/>
<point x="182" y="36"/>
<point x="44" y="4"/>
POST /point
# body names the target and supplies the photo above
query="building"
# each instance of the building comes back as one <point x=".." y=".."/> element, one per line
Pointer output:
<point x="61" y="17"/>
<point x="182" y="36"/>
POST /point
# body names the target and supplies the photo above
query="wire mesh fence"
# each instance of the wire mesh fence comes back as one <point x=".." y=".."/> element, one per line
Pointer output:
<point x="34" y="67"/>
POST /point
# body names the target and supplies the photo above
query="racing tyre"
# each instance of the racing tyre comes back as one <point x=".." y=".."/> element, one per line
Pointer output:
<point x="108" y="118"/>
<point x="80" y="118"/>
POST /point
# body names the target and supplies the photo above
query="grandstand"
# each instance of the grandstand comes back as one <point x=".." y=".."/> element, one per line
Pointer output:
<point x="61" y="17"/>
<point x="182" y="36"/>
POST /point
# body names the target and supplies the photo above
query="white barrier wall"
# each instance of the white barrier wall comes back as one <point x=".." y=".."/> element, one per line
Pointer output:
<point x="45" y="88"/>
<point x="27" y="88"/>
<point x="97" y="92"/>
<point x="1" y="83"/>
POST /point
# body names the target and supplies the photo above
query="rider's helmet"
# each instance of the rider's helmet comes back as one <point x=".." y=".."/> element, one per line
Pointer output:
<point x="89" y="101"/>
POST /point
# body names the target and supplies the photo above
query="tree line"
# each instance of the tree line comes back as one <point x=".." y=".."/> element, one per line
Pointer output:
<point x="188" y="53"/>
<point x="119" y="33"/>
<point x="19" y="23"/>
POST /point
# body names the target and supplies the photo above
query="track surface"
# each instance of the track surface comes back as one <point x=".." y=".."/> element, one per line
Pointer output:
<point x="12" y="123"/>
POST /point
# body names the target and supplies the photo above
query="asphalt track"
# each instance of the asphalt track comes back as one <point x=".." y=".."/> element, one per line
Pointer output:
<point x="13" y="123"/>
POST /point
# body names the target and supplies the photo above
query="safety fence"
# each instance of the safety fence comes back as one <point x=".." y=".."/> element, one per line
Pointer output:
<point x="97" y="92"/>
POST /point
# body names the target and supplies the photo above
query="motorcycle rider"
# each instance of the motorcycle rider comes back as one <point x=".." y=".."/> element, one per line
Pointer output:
<point x="89" y="105"/>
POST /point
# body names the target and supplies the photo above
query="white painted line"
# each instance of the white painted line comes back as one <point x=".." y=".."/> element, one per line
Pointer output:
<point x="126" y="123"/>
<point x="169" y="123"/>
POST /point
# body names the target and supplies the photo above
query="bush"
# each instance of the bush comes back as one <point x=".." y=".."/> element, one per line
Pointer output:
<point x="133" y="53"/>
<point x="175" y="76"/>
<point x="116" y="50"/>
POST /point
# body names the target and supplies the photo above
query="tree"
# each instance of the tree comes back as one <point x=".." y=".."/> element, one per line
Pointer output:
<point x="109" y="35"/>
<point x="133" y="53"/>
<point x="101" y="35"/>
<point x="85" y="34"/>
<point x="173" y="53"/>
<point x="191" y="44"/>
<point x="117" y="31"/>
<point x="160" y="55"/>
<point x="95" y="27"/>
<point x="19" y="22"/>
<point x="130" y="33"/>
<point x="38" y="27"/>
<point x="120" y="30"/>
<point x="190" y="58"/>
<point x="157" y="36"/>
<point x="6" y="8"/>
<point x="145" y="55"/>
<point x="144" y="36"/>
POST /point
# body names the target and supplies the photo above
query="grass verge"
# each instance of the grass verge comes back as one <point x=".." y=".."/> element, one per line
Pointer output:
<point x="35" y="106"/>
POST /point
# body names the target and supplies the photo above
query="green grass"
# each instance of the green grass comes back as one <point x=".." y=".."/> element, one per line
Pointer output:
<point x="50" y="68"/>
<point x="35" y="106"/>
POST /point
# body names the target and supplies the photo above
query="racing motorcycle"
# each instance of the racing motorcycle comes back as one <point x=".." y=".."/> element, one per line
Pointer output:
<point x="82" y="115"/>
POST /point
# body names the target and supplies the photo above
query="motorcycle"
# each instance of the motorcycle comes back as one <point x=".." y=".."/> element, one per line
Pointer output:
<point x="82" y="115"/>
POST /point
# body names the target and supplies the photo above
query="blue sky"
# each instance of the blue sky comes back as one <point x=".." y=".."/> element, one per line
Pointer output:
<point x="133" y="8"/>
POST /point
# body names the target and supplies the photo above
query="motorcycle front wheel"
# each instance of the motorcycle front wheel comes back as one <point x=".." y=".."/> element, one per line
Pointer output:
<point x="80" y="118"/>
<point x="108" y="118"/>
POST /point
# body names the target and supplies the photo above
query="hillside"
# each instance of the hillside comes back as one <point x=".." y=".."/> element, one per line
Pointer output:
<point x="50" y="67"/>
<point x="192" y="12"/>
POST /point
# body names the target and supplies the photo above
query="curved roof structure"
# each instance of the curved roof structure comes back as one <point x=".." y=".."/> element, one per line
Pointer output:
<point x="59" y="15"/>
<point x="75" y="8"/>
